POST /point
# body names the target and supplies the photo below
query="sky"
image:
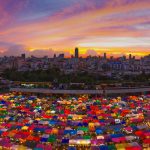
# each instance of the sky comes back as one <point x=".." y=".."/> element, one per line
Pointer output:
<point x="45" y="27"/>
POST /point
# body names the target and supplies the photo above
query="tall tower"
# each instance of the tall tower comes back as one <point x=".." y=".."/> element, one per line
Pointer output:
<point x="130" y="56"/>
<point x="54" y="56"/>
<point x="76" y="52"/>
<point x="105" y="56"/>
<point x="23" y="56"/>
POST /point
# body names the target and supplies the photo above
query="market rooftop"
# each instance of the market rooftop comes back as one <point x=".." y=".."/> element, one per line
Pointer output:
<point x="49" y="122"/>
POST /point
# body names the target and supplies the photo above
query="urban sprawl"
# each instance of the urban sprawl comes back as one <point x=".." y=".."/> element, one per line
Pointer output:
<point x="96" y="64"/>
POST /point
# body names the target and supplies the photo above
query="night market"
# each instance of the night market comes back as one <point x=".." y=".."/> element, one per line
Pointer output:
<point x="74" y="123"/>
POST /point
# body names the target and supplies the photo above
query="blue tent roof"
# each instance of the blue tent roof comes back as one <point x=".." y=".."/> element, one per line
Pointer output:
<point x="72" y="132"/>
<point x="1" y="132"/>
<point x="55" y="117"/>
<point x="65" y="141"/>
<point x="37" y="149"/>
<point x="71" y="148"/>
<point x="99" y="131"/>
<point x="103" y="147"/>
<point x="44" y="139"/>
<point x="52" y="122"/>
<point x="80" y="124"/>
<point x="116" y="135"/>
<point x="85" y="124"/>
<point x="87" y="107"/>
<point x="2" y="102"/>
<point x="39" y="129"/>
<point x="18" y="127"/>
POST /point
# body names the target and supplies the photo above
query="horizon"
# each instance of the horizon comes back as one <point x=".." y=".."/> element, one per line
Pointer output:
<point x="45" y="27"/>
<point x="108" y="55"/>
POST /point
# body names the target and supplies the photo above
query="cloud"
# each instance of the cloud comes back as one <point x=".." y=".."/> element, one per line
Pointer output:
<point x="115" y="42"/>
<point x="17" y="50"/>
<point x="6" y="44"/>
<point x="9" y="11"/>
<point x="66" y="24"/>
<point x="91" y="52"/>
<point x="46" y="52"/>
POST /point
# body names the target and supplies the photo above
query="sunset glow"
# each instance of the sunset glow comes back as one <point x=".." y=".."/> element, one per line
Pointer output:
<point x="45" y="27"/>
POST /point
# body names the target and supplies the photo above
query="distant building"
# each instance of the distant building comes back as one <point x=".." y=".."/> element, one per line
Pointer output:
<point x="61" y="56"/>
<point x="54" y="55"/>
<point x="23" y="56"/>
<point x="105" y="56"/>
<point x="76" y="52"/>
<point x="14" y="63"/>
<point x="130" y="56"/>
<point x="111" y="57"/>
<point x="133" y="57"/>
<point x="124" y="57"/>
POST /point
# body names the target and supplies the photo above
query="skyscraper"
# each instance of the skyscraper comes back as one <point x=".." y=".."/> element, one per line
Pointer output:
<point x="130" y="56"/>
<point x="76" y="52"/>
<point x="23" y="56"/>
<point x="54" y="56"/>
<point x="61" y="56"/>
<point x="105" y="56"/>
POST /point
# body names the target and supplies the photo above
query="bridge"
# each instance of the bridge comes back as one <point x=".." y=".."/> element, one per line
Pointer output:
<point x="94" y="92"/>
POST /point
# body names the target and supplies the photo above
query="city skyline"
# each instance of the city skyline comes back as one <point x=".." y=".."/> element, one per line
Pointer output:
<point x="44" y="27"/>
<point x="76" y="55"/>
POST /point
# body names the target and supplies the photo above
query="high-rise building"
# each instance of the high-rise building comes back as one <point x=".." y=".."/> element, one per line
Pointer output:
<point x="61" y="56"/>
<point x="124" y="57"/>
<point x="76" y="52"/>
<point x="130" y="56"/>
<point x="105" y="56"/>
<point x="14" y="63"/>
<point x="111" y="57"/>
<point x="133" y="57"/>
<point x="23" y="56"/>
<point x="54" y="56"/>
